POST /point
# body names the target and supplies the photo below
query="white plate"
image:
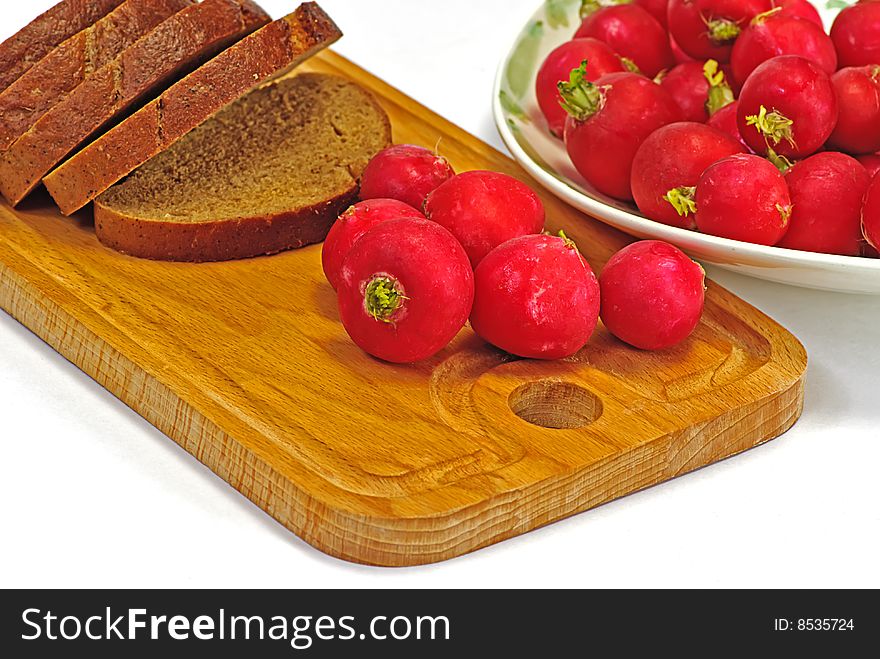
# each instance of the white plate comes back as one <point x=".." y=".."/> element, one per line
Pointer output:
<point x="524" y="131"/>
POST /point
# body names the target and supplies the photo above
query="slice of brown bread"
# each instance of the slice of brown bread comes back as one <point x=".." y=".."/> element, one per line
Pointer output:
<point x="53" y="77"/>
<point x="34" y="41"/>
<point x="175" y="46"/>
<point x="267" y="54"/>
<point x="268" y="173"/>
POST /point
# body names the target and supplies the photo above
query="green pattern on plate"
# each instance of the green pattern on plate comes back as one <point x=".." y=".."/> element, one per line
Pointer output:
<point x="558" y="11"/>
<point x="530" y="151"/>
<point x="513" y="108"/>
<point x="524" y="60"/>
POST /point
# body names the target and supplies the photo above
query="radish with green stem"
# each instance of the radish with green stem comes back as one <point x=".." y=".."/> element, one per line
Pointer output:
<point x="787" y="108"/>
<point x="608" y="121"/>
<point x="599" y="60"/>
<point x="406" y="289"/>
<point x="668" y="165"/>
<point x="699" y="88"/>
<point x="707" y="29"/>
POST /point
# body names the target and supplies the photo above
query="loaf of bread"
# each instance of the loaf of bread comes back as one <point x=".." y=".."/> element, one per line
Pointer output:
<point x="64" y="68"/>
<point x="268" y="173"/>
<point x="174" y="47"/>
<point x="33" y="42"/>
<point x="269" y="53"/>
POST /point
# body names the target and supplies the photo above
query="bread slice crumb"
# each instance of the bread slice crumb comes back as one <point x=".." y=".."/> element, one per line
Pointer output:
<point x="269" y="173"/>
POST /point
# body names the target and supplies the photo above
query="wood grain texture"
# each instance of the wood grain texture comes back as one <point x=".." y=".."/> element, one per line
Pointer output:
<point x="246" y="366"/>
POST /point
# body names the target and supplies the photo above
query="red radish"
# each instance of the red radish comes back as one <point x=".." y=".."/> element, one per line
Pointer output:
<point x="871" y="162"/>
<point x="353" y="224"/>
<point x="800" y="9"/>
<point x="787" y="107"/>
<point x="632" y="33"/>
<point x="826" y="192"/>
<point x="668" y="166"/>
<point x="871" y="215"/>
<point x="687" y="86"/>
<point x="772" y="34"/>
<point x="700" y="89"/>
<point x="657" y="8"/>
<point x="725" y="121"/>
<point x="689" y="32"/>
<point x="869" y="251"/>
<point x="708" y="28"/>
<point x="858" y="100"/>
<point x="485" y="209"/>
<point x="557" y="68"/>
<point x="856" y="34"/>
<point x="406" y="173"/>
<point x="652" y="295"/>
<point x="609" y="121"/>
<point x="536" y="297"/>
<point x="680" y="56"/>
<point x="743" y="197"/>
<point x="406" y="289"/>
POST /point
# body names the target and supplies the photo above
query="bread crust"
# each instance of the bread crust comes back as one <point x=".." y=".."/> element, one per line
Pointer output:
<point x="65" y="67"/>
<point x="263" y="56"/>
<point x="34" y="41"/>
<point x="229" y="238"/>
<point x="176" y="45"/>
<point x="223" y="240"/>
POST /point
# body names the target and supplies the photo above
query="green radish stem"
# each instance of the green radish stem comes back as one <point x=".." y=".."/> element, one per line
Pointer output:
<point x="773" y="126"/>
<point x="760" y="19"/>
<point x="720" y="92"/>
<point x="383" y="298"/>
<point x="568" y="241"/>
<point x="682" y="200"/>
<point x="782" y="163"/>
<point x="723" y="31"/>
<point x="631" y="66"/>
<point x="580" y="97"/>
<point x="875" y="73"/>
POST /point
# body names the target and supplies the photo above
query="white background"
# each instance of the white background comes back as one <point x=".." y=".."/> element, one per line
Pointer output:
<point x="93" y="496"/>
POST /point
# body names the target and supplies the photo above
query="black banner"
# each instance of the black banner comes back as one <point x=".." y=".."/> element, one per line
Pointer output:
<point x="432" y="623"/>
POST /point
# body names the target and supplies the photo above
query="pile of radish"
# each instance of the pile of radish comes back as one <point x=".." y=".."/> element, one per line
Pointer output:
<point x="427" y="250"/>
<point x="737" y="118"/>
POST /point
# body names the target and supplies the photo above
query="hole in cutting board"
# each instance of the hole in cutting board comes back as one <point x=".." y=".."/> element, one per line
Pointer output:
<point x="555" y="404"/>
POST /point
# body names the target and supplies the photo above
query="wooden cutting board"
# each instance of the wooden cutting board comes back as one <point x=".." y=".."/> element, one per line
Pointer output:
<point x="246" y="366"/>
